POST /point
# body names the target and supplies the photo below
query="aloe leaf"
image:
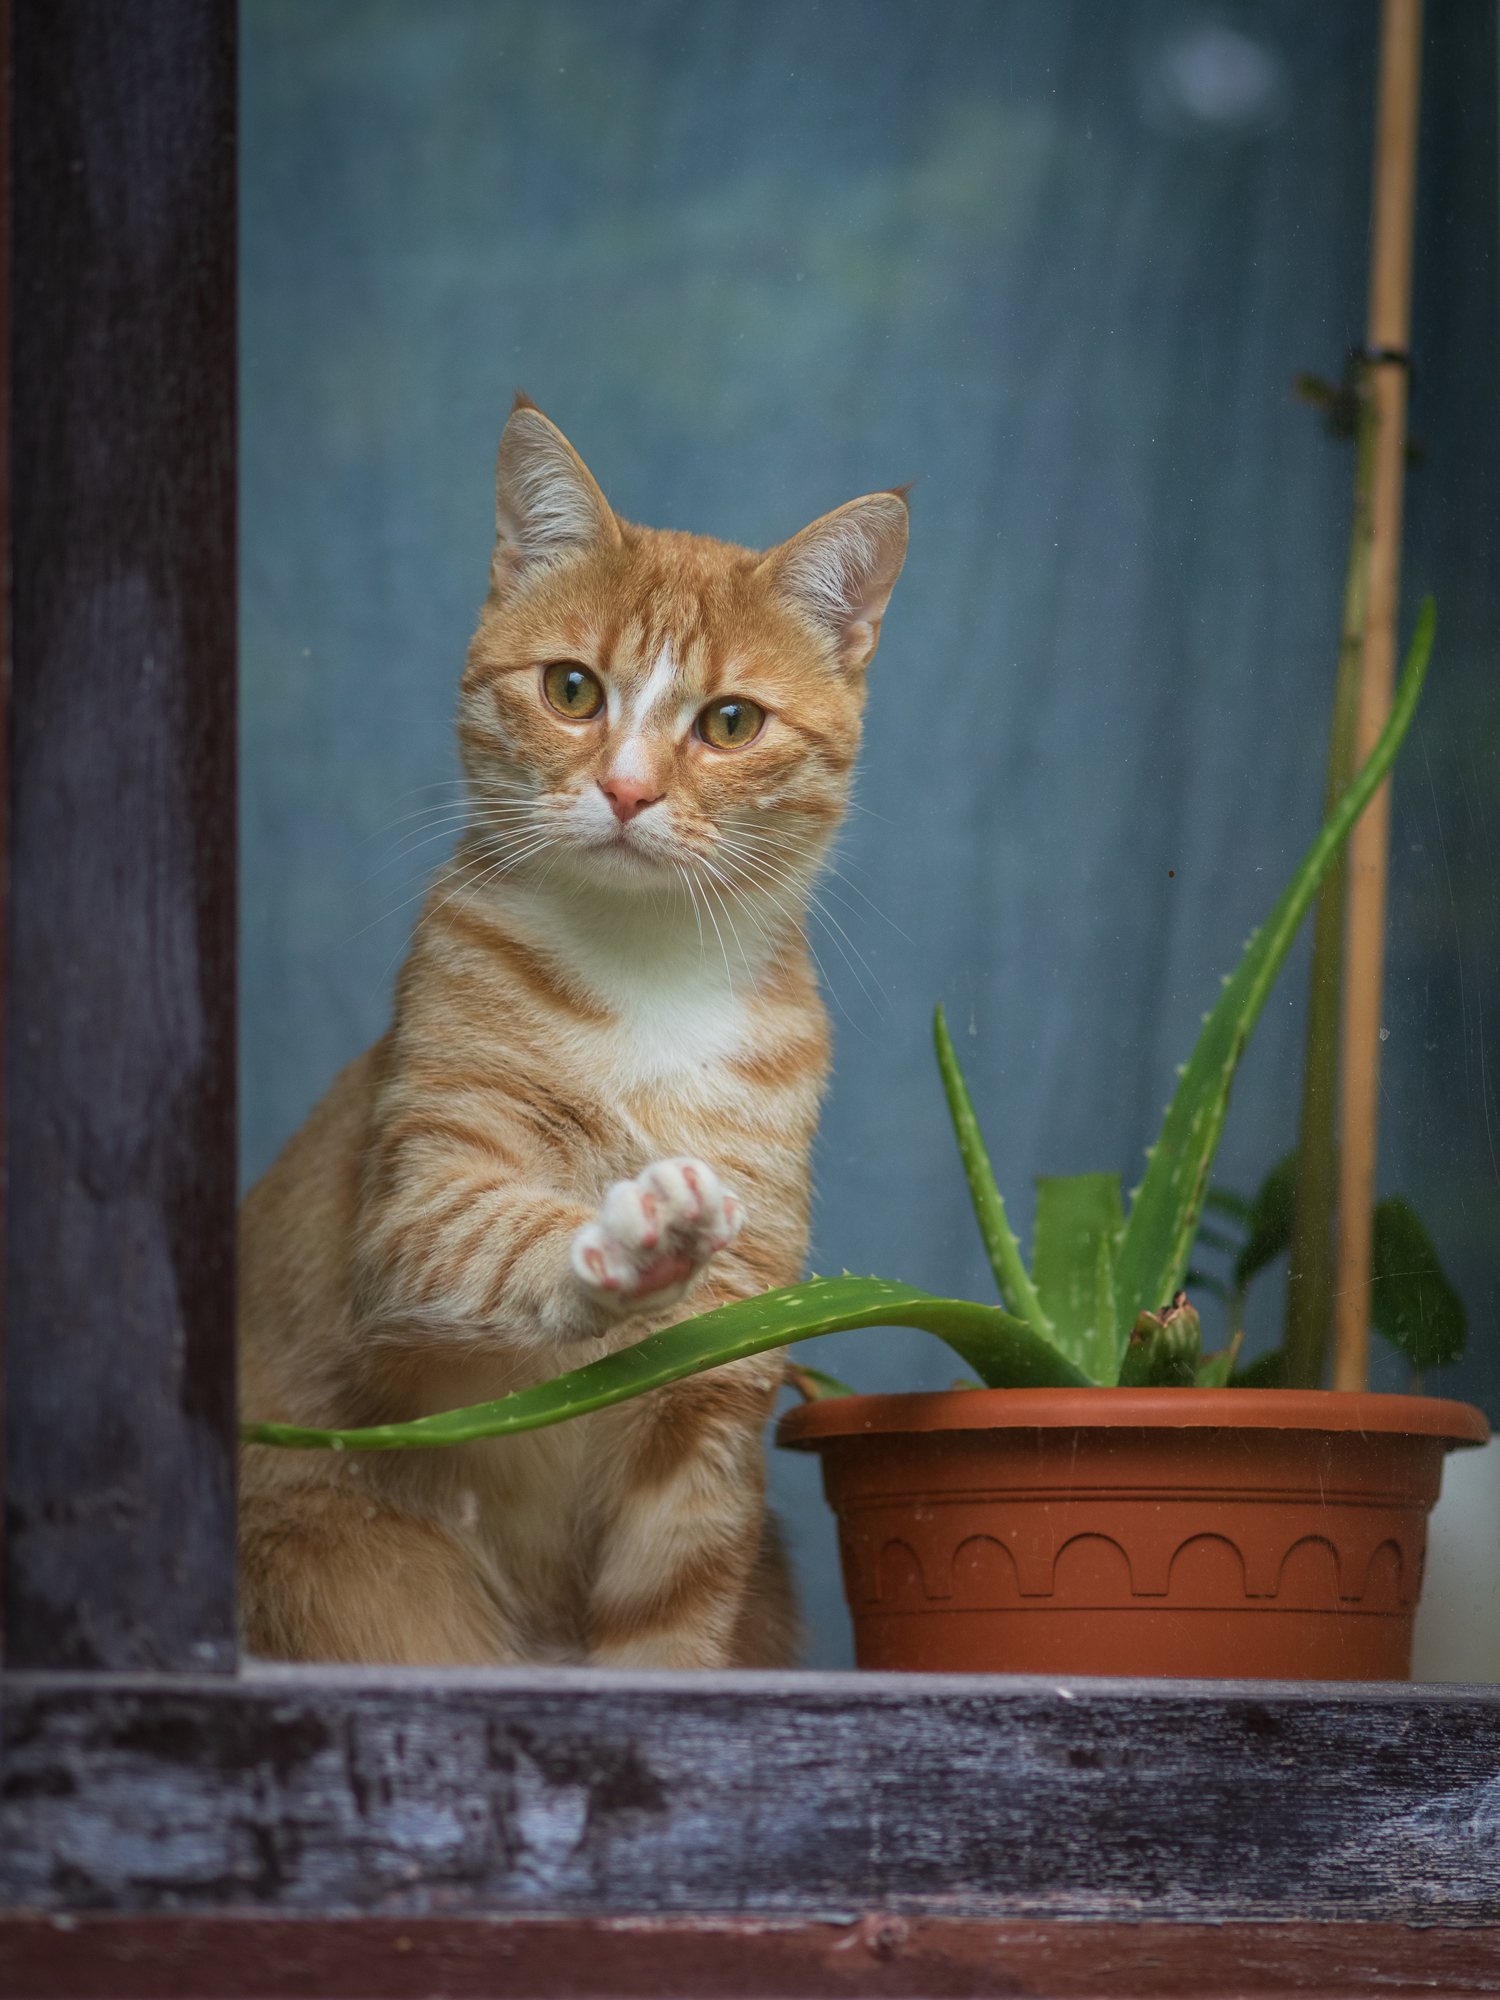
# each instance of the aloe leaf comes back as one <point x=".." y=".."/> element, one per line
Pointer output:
<point x="1270" y="1221"/>
<point x="1236" y="1206"/>
<point x="1205" y="1281"/>
<point x="813" y="1386"/>
<point x="1216" y="1371"/>
<point x="1267" y="1371"/>
<point x="1164" y="1214"/>
<point x="1165" y="1349"/>
<point x="989" y="1209"/>
<point x="1412" y="1304"/>
<point x="1004" y="1353"/>
<point x="1078" y="1223"/>
<point x="1215" y="1239"/>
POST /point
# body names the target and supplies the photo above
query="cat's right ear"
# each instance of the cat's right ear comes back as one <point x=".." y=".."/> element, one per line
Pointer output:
<point x="548" y="507"/>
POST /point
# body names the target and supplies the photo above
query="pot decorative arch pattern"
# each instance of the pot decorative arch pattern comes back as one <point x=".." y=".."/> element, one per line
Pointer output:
<point x="900" y="1552"/>
<point x="1130" y="1548"/>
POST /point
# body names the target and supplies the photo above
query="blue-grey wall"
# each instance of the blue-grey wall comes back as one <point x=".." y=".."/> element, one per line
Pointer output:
<point x="1057" y="263"/>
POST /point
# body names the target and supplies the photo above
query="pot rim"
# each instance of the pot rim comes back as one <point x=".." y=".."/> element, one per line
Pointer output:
<point x="804" y="1427"/>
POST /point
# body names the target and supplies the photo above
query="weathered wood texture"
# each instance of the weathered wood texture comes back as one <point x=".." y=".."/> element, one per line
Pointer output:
<point x="775" y="1795"/>
<point x="5" y="674"/>
<point x="257" y="1957"/>
<point x="120" y="1112"/>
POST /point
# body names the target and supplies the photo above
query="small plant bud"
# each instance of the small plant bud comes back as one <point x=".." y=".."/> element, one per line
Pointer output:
<point x="1165" y="1348"/>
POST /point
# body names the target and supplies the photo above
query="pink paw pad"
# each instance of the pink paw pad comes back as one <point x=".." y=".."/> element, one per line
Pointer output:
<point x="654" y="1234"/>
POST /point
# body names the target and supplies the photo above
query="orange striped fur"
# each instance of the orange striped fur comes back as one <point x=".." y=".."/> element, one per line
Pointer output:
<point x="590" y="1116"/>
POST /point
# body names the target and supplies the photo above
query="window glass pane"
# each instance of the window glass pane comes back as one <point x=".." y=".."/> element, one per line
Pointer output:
<point x="1057" y="264"/>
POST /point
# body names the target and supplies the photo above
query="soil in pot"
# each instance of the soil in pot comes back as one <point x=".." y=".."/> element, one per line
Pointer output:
<point x="1198" y="1532"/>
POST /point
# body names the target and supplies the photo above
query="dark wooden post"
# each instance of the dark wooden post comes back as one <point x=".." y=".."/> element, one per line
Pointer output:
<point x="119" y="1114"/>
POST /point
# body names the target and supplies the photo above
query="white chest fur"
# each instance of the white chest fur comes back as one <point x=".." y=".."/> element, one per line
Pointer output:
<point x="679" y="996"/>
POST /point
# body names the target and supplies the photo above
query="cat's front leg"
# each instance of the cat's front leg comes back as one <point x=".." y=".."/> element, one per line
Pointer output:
<point x="686" y="1524"/>
<point x="451" y="1237"/>
<point x="653" y="1235"/>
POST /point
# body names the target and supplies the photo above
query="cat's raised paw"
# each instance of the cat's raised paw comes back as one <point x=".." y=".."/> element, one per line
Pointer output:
<point x="653" y="1235"/>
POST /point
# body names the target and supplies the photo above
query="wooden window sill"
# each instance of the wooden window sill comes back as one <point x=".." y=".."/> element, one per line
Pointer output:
<point x="768" y="1832"/>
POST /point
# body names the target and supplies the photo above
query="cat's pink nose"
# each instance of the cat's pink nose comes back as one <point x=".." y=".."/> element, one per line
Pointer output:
<point x="628" y="796"/>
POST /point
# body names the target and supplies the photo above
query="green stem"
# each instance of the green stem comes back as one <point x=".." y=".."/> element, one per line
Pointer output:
<point x="1004" y="1251"/>
<point x="1310" y="1274"/>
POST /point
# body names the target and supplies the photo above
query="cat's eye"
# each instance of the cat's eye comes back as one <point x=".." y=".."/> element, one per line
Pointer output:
<point x="731" y="724"/>
<point x="572" y="690"/>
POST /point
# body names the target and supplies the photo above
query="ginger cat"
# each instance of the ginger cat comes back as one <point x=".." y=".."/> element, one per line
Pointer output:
<point x="590" y="1116"/>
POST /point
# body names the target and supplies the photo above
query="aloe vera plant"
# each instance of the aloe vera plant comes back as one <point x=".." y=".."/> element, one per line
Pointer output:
<point x="1101" y="1303"/>
<point x="1413" y="1305"/>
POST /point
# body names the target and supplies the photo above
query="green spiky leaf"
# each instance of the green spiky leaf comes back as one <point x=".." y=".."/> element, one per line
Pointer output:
<point x="1267" y="1371"/>
<point x="1216" y="1371"/>
<point x="1078" y="1224"/>
<point x="1164" y="1216"/>
<point x="1269" y="1222"/>
<point x="813" y="1386"/>
<point x="1000" y="1244"/>
<point x="1205" y="1281"/>
<point x="1215" y="1239"/>
<point x="1236" y="1206"/>
<point x="1002" y="1351"/>
<point x="1412" y="1304"/>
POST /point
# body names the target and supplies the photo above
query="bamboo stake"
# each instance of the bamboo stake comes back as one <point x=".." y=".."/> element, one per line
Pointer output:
<point x="1369" y="845"/>
<point x="1310" y="1272"/>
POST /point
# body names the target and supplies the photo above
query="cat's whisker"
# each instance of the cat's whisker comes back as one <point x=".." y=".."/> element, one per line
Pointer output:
<point x="741" y="839"/>
<point x="798" y="867"/>
<point x="414" y="846"/>
<point x="782" y="870"/>
<point x="400" y="902"/>
<point x="821" y="890"/>
<point x="873" y="993"/>
<point x="828" y="984"/>
<point x="450" y="809"/>
<point x="710" y="891"/>
<point x="454" y="787"/>
<point x="502" y="850"/>
<point x="467" y="888"/>
<point x="687" y="883"/>
<point x="738" y="883"/>
<point x="504" y="856"/>
<point x="386" y="916"/>
<point x="872" y="906"/>
<point x="840" y="939"/>
<point x="428" y="815"/>
<point x="445" y="821"/>
<point x="457" y="784"/>
<point x="389" y="913"/>
<point x="812" y="892"/>
<point x="791" y="930"/>
<point x="461" y="796"/>
<point x="728" y="918"/>
<point x="854" y="806"/>
<point x="728" y="970"/>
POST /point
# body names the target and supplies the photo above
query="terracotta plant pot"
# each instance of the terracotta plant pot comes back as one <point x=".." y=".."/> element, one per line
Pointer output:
<point x="1266" y="1533"/>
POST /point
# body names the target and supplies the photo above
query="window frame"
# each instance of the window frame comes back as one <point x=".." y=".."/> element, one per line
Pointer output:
<point x="825" y="1809"/>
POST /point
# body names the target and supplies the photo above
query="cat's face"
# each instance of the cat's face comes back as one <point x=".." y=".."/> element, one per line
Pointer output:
<point x="645" y="710"/>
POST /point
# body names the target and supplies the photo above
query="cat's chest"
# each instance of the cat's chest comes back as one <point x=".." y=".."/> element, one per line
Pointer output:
<point x="676" y="1046"/>
<point x="683" y="1037"/>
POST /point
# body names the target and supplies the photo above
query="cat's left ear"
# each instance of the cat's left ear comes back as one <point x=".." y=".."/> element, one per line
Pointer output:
<point x="840" y="572"/>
